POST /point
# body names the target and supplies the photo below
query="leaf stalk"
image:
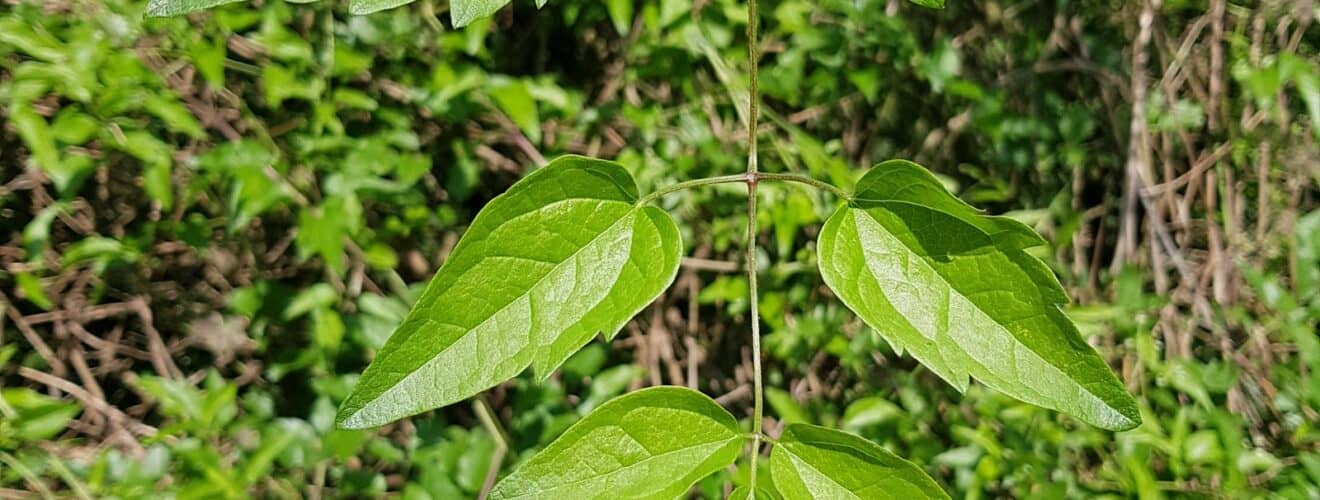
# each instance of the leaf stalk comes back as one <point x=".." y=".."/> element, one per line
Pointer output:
<point x="748" y="178"/>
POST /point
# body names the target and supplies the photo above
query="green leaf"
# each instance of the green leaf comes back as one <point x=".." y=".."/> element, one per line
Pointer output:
<point x="815" y="462"/>
<point x="463" y="12"/>
<point x="516" y="100"/>
<point x="785" y="406"/>
<point x="745" y="493"/>
<point x="163" y="8"/>
<point x="36" y="134"/>
<point x="565" y="254"/>
<point x="934" y="4"/>
<point x="37" y="417"/>
<point x="621" y="14"/>
<point x="653" y="443"/>
<point x="956" y="289"/>
<point x="1306" y="255"/>
<point x="360" y="7"/>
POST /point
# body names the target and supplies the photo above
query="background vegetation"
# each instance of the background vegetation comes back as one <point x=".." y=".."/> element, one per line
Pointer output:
<point x="208" y="224"/>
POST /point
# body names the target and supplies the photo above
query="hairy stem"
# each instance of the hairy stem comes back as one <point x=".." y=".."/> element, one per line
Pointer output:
<point x="753" y="116"/>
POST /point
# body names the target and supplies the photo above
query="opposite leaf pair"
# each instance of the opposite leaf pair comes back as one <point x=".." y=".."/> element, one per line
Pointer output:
<point x="572" y="251"/>
<point x="658" y="442"/>
<point x="568" y="252"/>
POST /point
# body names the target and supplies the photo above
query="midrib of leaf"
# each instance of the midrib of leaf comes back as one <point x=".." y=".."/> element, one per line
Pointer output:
<point x="816" y="475"/>
<point x="712" y="445"/>
<point x="626" y="294"/>
<point x="993" y="237"/>
<point x="858" y="452"/>
<point x="426" y="369"/>
<point x="872" y="228"/>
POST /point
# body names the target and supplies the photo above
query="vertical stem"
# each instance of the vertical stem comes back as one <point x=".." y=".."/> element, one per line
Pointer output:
<point x="758" y="406"/>
<point x="753" y="93"/>
<point x="753" y="116"/>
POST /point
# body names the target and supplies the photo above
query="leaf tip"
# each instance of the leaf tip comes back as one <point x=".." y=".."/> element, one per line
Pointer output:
<point x="157" y="8"/>
<point x="349" y="417"/>
<point x="1130" y="416"/>
<point x="460" y="18"/>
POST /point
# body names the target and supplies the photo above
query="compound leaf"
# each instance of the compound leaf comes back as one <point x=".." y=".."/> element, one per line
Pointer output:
<point x="565" y="254"/>
<point x="955" y="289"/>
<point x="815" y="462"/>
<point x="652" y="443"/>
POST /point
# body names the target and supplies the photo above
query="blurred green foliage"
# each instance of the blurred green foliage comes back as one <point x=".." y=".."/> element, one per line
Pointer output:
<point x="277" y="179"/>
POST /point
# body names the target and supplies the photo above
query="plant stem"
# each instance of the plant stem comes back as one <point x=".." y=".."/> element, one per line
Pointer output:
<point x="723" y="179"/>
<point x="758" y="406"/>
<point x="802" y="179"/>
<point x="753" y="93"/>
<point x="757" y="177"/>
<point x="753" y="116"/>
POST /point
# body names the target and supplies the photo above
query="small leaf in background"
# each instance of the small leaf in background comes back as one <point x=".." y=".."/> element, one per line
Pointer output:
<point x="36" y="134"/>
<point x="815" y="462"/>
<point x="157" y="160"/>
<point x="29" y="288"/>
<point x="74" y="127"/>
<point x="621" y="14"/>
<point x="955" y="289"/>
<point x="177" y="117"/>
<point x="943" y="64"/>
<point x="36" y="43"/>
<point x="100" y="251"/>
<point x="788" y="409"/>
<point x="36" y="234"/>
<point x="561" y="256"/>
<point x="157" y="183"/>
<point x="317" y="296"/>
<point x="209" y="58"/>
<point x="163" y="8"/>
<point x="653" y="443"/>
<point x="869" y="411"/>
<point x="515" y="100"/>
<point x="1306" y="256"/>
<point x="609" y="383"/>
<point x="934" y="4"/>
<point x="37" y="417"/>
<point x="282" y="84"/>
<point x="323" y="230"/>
<point x="327" y="329"/>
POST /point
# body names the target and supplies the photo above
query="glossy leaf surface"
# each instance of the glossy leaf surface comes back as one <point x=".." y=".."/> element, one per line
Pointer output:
<point x="161" y="8"/>
<point x="956" y="289"/>
<point x="563" y="255"/>
<point x="815" y="462"/>
<point x="463" y="12"/>
<point x="653" y="443"/>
